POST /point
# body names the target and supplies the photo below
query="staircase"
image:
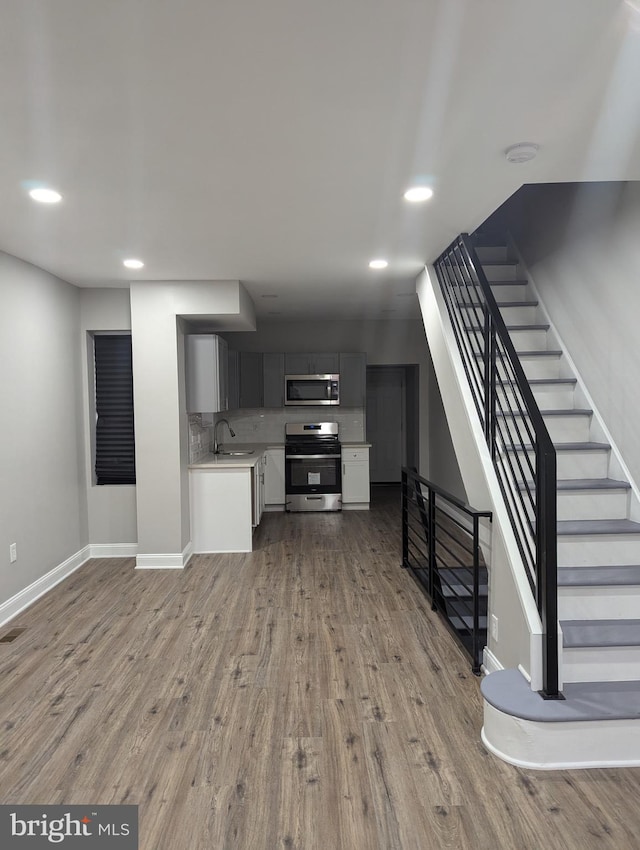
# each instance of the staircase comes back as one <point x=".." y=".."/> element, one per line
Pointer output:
<point x="598" y="560"/>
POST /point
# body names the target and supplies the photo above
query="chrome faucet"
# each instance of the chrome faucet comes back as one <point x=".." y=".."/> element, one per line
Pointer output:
<point x="216" y="445"/>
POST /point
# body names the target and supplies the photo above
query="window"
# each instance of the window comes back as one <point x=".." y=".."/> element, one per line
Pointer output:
<point x="115" y="442"/>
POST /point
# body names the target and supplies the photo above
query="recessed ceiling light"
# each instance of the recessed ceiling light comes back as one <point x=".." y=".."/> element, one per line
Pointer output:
<point x="416" y="194"/>
<point x="522" y="152"/>
<point x="133" y="264"/>
<point x="45" y="196"/>
<point x="378" y="264"/>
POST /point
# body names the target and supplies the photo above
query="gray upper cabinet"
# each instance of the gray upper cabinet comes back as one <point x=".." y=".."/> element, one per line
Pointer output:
<point x="251" y="379"/>
<point x="353" y="379"/>
<point x="234" y="380"/>
<point x="273" y="375"/>
<point x="311" y="364"/>
<point x="206" y="373"/>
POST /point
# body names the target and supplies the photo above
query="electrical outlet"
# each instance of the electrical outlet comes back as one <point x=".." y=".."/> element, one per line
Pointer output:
<point x="13" y="553"/>
<point x="494" y="627"/>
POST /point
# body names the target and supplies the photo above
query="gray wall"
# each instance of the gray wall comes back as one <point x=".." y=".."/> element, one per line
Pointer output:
<point x="111" y="509"/>
<point x="581" y="244"/>
<point x="42" y="475"/>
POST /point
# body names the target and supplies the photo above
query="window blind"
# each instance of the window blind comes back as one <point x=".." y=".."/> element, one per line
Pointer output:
<point x="115" y="442"/>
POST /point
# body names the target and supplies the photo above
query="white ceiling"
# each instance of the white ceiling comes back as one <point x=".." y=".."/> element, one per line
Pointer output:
<point x="271" y="141"/>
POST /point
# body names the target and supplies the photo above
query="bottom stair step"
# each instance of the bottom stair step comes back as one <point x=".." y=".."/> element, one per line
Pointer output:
<point x="599" y="633"/>
<point x="509" y="692"/>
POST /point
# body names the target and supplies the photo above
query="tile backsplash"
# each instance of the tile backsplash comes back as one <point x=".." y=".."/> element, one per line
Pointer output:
<point x="266" y="425"/>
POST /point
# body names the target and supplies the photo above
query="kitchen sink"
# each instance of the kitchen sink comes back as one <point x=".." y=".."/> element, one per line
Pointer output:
<point x="238" y="453"/>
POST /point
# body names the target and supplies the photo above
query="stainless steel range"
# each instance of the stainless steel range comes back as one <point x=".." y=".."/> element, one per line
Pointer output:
<point x="313" y="479"/>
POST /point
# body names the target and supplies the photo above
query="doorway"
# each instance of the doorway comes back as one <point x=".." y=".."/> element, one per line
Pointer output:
<point x="392" y="421"/>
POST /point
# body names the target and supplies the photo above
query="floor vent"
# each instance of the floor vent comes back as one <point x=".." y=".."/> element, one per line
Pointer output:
<point x="10" y="636"/>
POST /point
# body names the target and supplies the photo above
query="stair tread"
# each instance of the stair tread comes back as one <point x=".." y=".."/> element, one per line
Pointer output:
<point x="567" y="447"/>
<point x="515" y="282"/>
<point x="547" y="352"/>
<point x="537" y="381"/>
<point x="510" y="328"/>
<point x="509" y="692"/>
<point x="598" y="576"/>
<point x="467" y="622"/>
<point x="597" y="526"/>
<point x="596" y="633"/>
<point x="568" y="411"/>
<point x="583" y="484"/>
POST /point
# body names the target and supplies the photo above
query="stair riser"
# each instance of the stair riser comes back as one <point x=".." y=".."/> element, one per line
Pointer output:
<point x="598" y="603"/>
<point x="511" y="292"/>
<point x="592" y="504"/>
<point x="520" y="315"/>
<point x="562" y="429"/>
<point x="548" y="396"/>
<point x="487" y="253"/>
<point x="601" y="664"/>
<point x="510" y="271"/>
<point x="598" y="550"/>
<point x="541" y="367"/>
<point x="529" y="340"/>
<point x="572" y="465"/>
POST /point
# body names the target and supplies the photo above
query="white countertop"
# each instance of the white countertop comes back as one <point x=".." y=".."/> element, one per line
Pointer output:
<point x="219" y="461"/>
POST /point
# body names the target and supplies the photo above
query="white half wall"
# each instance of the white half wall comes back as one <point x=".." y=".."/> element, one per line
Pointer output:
<point x="518" y="641"/>
<point x="42" y="476"/>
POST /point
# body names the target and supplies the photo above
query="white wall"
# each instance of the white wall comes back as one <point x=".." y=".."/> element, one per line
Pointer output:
<point x="42" y="476"/>
<point x="385" y="342"/>
<point x="581" y="244"/>
<point x="161" y="420"/>
<point x="111" y="509"/>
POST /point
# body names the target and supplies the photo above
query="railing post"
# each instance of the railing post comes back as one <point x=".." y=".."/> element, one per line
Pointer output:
<point x="475" y="638"/>
<point x="432" y="545"/>
<point x="547" y="568"/>
<point x="405" y="522"/>
<point x="489" y="361"/>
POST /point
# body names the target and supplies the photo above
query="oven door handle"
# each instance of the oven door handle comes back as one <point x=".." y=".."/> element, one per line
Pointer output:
<point x="311" y="457"/>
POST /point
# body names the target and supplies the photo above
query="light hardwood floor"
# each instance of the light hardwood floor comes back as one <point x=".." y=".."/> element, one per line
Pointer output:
<point x="303" y="696"/>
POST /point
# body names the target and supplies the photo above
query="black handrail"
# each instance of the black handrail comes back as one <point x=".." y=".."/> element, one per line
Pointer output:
<point x="441" y="548"/>
<point x="522" y="451"/>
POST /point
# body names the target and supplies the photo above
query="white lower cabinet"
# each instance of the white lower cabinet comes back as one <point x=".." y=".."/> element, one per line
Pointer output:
<point x="355" y="478"/>
<point x="274" y="496"/>
<point x="221" y="509"/>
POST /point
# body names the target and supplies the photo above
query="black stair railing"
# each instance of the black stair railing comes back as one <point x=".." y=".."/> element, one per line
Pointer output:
<point x="441" y="548"/>
<point x="522" y="451"/>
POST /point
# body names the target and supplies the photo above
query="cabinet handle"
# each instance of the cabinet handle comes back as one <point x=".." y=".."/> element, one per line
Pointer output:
<point x="344" y="469"/>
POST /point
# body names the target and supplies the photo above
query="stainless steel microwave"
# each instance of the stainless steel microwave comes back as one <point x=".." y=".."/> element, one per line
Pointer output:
<point x="311" y="389"/>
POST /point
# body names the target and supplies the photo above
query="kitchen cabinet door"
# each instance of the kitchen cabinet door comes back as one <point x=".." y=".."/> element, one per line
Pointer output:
<point x="355" y="477"/>
<point x="205" y="370"/>
<point x="274" y="477"/>
<point x="324" y="364"/>
<point x="233" y="380"/>
<point x="353" y="379"/>
<point x="273" y="377"/>
<point x="311" y="364"/>
<point x="250" y="369"/>
<point x="297" y="364"/>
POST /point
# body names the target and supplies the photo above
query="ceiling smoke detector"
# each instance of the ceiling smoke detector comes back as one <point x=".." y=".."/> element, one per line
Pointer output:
<point x="522" y="152"/>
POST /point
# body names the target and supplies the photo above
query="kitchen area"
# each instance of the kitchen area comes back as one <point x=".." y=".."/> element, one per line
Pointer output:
<point x="271" y="432"/>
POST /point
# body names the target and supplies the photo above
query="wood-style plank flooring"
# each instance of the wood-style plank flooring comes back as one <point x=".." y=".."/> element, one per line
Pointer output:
<point x="303" y="696"/>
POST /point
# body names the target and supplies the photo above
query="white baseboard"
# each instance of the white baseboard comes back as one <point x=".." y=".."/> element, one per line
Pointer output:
<point x="28" y="595"/>
<point x="490" y="663"/>
<point x="113" y="550"/>
<point x="172" y="561"/>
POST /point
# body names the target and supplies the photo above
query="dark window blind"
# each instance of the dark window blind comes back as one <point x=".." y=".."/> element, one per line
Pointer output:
<point x="115" y="443"/>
